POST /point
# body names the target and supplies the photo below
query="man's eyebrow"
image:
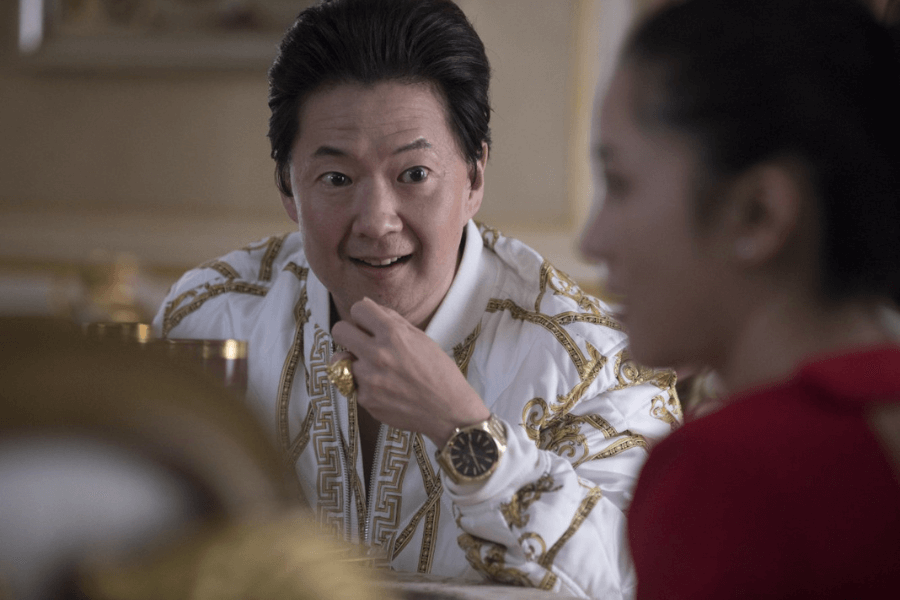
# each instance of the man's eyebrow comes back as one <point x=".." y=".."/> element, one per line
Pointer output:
<point x="328" y="151"/>
<point x="419" y="144"/>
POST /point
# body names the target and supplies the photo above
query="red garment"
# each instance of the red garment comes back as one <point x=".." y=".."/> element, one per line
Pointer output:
<point x="785" y="492"/>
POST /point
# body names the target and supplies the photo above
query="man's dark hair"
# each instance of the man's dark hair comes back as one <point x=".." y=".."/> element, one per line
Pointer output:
<point x="753" y="80"/>
<point x="370" y="41"/>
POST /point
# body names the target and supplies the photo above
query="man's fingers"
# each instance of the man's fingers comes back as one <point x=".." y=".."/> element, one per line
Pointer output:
<point x="373" y="317"/>
<point x="351" y="337"/>
<point x="339" y="356"/>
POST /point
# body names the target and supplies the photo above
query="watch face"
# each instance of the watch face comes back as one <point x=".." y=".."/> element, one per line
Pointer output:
<point x="473" y="453"/>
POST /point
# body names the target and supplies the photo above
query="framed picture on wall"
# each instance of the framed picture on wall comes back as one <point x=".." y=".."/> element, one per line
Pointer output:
<point x="101" y="34"/>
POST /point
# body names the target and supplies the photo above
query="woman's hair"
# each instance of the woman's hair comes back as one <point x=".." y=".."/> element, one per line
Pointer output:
<point x="819" y="80"/>
<point x="369" y="41"/>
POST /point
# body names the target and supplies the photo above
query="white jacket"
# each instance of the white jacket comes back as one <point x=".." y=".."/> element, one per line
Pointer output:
<point x="547" y="359"/>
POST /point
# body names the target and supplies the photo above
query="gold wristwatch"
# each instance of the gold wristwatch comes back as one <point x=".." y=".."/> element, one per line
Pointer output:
<point x="472" y="452"/>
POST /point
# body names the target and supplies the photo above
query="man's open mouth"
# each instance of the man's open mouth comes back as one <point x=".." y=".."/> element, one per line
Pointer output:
<point x="382" y="262"/>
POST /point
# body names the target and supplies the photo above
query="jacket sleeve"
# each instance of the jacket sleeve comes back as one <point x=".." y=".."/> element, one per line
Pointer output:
<point x="553" y="514"/>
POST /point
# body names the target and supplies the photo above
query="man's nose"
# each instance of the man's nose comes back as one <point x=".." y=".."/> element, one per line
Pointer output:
<point x="592" y="241"/>
<point x="377" y="210"/>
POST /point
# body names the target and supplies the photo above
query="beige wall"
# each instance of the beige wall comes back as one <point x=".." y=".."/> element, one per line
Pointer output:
<point x="172" y="164"/>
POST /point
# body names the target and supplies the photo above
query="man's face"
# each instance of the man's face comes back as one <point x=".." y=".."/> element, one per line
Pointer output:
<point x="382" y="194"/>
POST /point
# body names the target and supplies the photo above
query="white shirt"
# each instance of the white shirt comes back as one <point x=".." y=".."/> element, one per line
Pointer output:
<point x="549" y="360"/>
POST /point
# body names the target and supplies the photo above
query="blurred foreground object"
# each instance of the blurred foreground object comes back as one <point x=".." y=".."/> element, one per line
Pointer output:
<point x="103" y="287"/>
<point x="123" y="475"/>
<point x="140" y="333"/>
<point x="223" y="360"/>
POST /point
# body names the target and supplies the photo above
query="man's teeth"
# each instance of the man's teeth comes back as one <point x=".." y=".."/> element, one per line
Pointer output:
<point x="380" y="263"/>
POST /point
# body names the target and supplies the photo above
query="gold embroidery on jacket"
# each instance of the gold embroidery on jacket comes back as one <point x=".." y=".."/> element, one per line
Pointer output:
<point x="351" y="449"/>
<point x="429" y="533"/>
<point x="554" y="428"/>
<point x="533" y="545"/>
<point x="563" y="285"/>
<point x="667" y="408"/>
<point x="567" y="318"/>
<point x="629" y="373"/>
<point x="462" y="352"/>
<point x="329" y="482"/>
<point x="430" y="510"/>
<point x="260" y="245"/>
<point x="173" y="316"/>
<point x="550" y="323"/>
<point x="631" y="440"/>
<point x="563" y="436"/>
<point x="387" y="503"/>
<point x="288" y="372"/>
<point x="548" y="582"/>
<point x="295" y="448"/>
<point x="587" y="505"/>
<point x="489" y="235"/>
<point x="300" y="272"/>
<point x="273" y="247"/>
<point x="514" y="510"/>
<point x="489" y="559"/>
<point x="588" y="374"/>
<point x="221" y="267"/>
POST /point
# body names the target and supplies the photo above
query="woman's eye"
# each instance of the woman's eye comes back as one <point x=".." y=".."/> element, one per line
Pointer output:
<point x="414" y="175"/>
<point x="336" y="179"/>
<point x="616" y="186"/>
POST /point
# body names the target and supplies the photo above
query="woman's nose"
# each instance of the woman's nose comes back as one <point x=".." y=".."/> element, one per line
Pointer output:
<point x="592" y="241"/>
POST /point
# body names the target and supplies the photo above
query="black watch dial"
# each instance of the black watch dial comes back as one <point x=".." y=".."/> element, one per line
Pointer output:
<point x="473" y="453"/>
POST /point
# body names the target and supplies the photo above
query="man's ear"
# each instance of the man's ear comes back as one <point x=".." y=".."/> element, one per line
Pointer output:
<point x="290" y="207"/>
<point x="476" y="189"/>
<point x="763" y="210"/>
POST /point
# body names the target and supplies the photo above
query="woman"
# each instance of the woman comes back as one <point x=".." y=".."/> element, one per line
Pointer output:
<point x="761" y="139"/>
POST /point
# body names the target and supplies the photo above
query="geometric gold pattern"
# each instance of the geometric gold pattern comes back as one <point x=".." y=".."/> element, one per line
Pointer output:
<point x="329" y="491"/>
<point x="385" y="517"/>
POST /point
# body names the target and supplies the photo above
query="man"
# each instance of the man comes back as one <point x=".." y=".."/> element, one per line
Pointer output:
<point x="486" y="416"/>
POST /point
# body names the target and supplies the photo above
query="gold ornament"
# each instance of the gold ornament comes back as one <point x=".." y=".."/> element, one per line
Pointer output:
<point x="341" y="375"/>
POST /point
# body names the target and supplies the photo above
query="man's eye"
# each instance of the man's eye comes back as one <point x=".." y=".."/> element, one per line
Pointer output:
<point x="336" y="179"/>
<point x="414" y="175"/>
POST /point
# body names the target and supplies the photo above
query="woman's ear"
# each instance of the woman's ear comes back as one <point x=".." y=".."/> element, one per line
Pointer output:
<point x="764" y="210"/>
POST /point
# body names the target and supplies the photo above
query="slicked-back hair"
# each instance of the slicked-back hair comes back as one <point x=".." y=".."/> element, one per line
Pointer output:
<point x="753" y="80"/>
<point x="371" y="41"/>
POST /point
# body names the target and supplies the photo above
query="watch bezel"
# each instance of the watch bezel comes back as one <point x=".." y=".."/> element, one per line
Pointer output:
<point x="495" y="434"/>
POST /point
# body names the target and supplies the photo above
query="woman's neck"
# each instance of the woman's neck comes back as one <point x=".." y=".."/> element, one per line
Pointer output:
<point x="778" y="336"/>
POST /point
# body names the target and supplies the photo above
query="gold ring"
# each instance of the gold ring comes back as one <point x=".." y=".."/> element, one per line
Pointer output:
<point x="341" y="375"/>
